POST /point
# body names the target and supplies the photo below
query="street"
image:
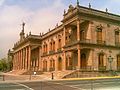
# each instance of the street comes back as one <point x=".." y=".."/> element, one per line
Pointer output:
<point x="13" y="86"/>
<point x="100" y="84"/>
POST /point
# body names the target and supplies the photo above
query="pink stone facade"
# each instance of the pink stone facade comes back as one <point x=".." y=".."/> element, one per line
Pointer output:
<point x="85" y="40"/>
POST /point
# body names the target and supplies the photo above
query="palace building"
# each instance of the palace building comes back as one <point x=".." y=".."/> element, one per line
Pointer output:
<point x="87" y="39"/>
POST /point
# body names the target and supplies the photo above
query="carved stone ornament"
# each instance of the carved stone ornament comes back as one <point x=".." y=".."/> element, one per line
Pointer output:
<point x="70" y="8"/>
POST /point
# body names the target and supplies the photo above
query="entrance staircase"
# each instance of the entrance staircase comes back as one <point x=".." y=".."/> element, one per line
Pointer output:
<point x="57" y="74"/>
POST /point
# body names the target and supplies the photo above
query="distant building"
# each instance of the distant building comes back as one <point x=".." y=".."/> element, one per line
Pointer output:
<point x="85" y="40"/>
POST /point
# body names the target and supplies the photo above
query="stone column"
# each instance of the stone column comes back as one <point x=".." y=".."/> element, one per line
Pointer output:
<point x="26" y="58"/>
<point x="15" y="61"/>
<point x="64" y="61"/>
<point x="78" y="29"/>
<point x="18" y="60"/>
<point x="22" y="59"/>
<point x="48" y="65"/>
<point x="39" y="61"/>
<point x="64" y="37"/>
<point x="93" y="65"/>
<point x="56" y="65"/>
<point x="79" y="62"/>
<point x="29" y="57"/>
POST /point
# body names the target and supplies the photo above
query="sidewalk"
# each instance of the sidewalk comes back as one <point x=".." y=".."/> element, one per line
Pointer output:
<point x="14" y="77"/>
<point x="93" y="78"/>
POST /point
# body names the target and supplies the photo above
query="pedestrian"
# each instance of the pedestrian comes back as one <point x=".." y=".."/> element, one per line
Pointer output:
<point x="52" y="76"/>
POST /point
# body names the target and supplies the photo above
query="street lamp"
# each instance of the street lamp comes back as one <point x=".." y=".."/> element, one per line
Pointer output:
<point x="110" y="60"/>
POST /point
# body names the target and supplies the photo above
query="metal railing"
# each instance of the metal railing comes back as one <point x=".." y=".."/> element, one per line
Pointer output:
<point x="101" y="42"/>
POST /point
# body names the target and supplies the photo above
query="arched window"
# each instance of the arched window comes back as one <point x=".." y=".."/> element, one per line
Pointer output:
<point x="59" y="63"/>
<point x="101" y="60"/>
<point x="52" y="65"/>
<point x="53" y="45"/>
<point x="117" y="37"/>
<point x="83" y="61"/>
<point x="82" y="35"/>
<point x="46" y="48"/>
<point x="59" y="43"/>
<point x="50" y="46"/>
<point x="99" y="36"/>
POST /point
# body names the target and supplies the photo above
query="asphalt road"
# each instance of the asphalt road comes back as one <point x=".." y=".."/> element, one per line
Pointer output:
<point x="103" y="84"/>
<point x="13" y="86"/>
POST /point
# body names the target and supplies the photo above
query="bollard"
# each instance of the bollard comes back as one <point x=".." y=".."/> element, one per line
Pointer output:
<point x="52" y="76"/>
<point x="3" y="77"/>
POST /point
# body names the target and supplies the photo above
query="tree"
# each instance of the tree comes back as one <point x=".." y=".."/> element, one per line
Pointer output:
<point x="5" y="64"/>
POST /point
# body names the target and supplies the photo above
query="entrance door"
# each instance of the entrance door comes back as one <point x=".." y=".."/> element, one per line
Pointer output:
<point x="83" y="61"/>
<point x="44" y="65"/>
<point x="59" y="63"/>
<point x="118" y="62"/>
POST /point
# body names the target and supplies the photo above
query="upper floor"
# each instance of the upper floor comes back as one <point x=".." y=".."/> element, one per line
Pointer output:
<point x="80" y="25"/>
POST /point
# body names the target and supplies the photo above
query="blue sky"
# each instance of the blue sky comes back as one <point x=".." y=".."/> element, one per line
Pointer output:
<point x="39" y="16"/>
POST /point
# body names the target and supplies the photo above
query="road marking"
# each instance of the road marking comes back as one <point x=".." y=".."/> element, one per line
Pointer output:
<point x="24" y="86"/>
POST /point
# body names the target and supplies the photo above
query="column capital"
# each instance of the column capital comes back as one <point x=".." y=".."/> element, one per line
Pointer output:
<point x="78" y="19"/>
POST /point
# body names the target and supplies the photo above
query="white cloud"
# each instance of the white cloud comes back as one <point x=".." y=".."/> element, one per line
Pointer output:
<point x="37" y="21"/>
<point x="1" y="2"/>
<point x="113" y="6"/>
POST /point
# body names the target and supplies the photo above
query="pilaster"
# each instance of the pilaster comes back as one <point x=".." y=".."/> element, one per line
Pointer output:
<point x="64" y="61"/>
<point x="78" y="29"/>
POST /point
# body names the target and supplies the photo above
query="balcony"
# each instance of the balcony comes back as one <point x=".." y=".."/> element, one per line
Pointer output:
<point x="45" y="53"/>
<point x="87" y="68"/>
<point x="59" y="50"/>
<point x="101" y="42"/>
<point x="117" y="43"/>
<point x="102" y="68"/>
<point x="85" y="41"/>
<point x="44" y="69"/>
<point x="51" y="52"/>
<point x="52" y="69"/>
<point x="118" y="68"/>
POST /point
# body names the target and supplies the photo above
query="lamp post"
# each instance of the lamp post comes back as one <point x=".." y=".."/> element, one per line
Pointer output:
<point x="110" y="60"/>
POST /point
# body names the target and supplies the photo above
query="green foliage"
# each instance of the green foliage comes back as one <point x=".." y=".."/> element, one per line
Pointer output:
<point x="5" y="64"/>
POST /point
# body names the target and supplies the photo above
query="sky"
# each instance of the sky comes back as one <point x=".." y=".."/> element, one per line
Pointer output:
<point x="39" y="16"/>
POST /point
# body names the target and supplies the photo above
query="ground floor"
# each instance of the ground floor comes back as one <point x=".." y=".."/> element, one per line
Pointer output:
<point x="69" y="59"/>
<point x="83" y="59"/>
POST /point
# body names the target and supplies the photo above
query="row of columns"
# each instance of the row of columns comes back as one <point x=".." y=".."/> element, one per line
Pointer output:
<point x="22" y="59"/>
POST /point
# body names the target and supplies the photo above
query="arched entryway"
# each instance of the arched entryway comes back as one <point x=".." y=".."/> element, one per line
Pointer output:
<point x="69" y="63"/>
<point x="83" y="61"/>
<point x="52" y="65"/>
<point x="44" y="65"/>
<point x="59" y="63"/>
